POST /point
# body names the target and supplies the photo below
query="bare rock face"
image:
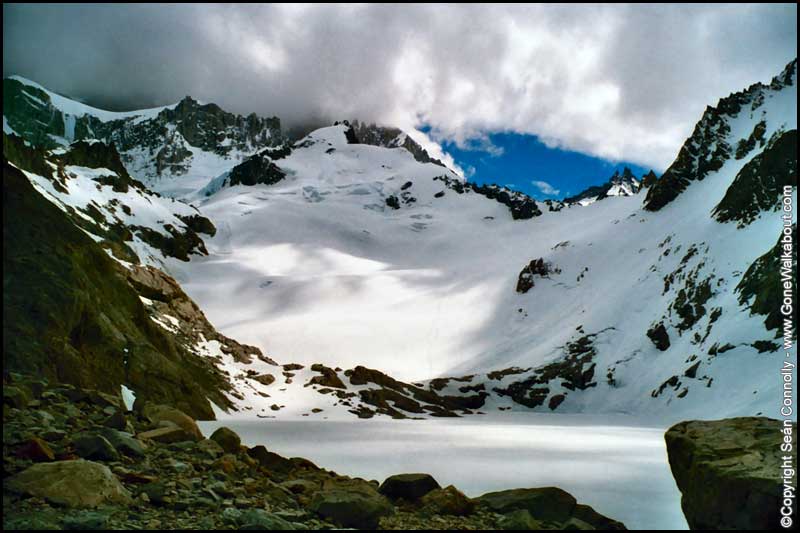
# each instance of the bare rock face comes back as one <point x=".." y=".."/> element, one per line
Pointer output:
<point x="730" y="471"/>
<point x="77" y="483"/>
<point x="167" y="298"/>
<point x="85" y="315"/>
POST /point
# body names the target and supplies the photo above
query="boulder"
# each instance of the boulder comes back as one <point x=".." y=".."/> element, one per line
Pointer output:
<point x="95" y="447"/>
<point x="35" y="449"/>
<point x="228" y="440"/>
<point x="408" y="486"/>
<point x="210" y="448"/>
<point x="17" y="397"/>
<point x="161" y="415"/>
<point x="447" y="501"/>
<point x="270" y="460"/>
<point x="76" y="483"/>
<point x="123" y="442"/>
<point x="166" y="435"/>
<point x="117" y="421"/>
<point x="519" y="520"/>
<point x="300" y="486"/>
<point x="264" y="379"/>
<point x="156" y="492"/>
<point x="258" y="519"/>
<point x="353" y="507"/>
<point x="586" y="514"/>
<point x="729" y="471"/>
<point x="549" y="503"/>
<point x="87" y="521"/>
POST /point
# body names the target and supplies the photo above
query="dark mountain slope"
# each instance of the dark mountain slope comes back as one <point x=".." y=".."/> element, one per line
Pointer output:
<point x="69" y="314"/>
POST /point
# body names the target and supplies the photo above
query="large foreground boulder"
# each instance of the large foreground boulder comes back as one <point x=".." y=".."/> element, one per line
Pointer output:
<point x="729" y="471"/>
<point x="77" y="483"/>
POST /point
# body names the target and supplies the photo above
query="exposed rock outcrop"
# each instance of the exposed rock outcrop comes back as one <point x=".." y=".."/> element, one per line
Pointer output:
<point x="537" y="267"/>
<point x="659" y="336"/>
<point x="761" y="287"/>
<point x="521" y="205"/>
<point x="87" y="326"/>
<point x="708" y="148"/>
<point x="159" y="143"/>
<point x="759" y="184"/>
<point x="388" y="137"/>
<point x="167" y="299"/>
<point x="112" y="215"/>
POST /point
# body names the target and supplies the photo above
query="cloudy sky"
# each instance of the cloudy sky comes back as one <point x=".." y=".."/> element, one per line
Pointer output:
<point x="615" y="82"/>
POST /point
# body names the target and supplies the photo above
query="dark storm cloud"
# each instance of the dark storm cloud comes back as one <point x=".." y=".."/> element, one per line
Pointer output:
<point x="614" y="81"/>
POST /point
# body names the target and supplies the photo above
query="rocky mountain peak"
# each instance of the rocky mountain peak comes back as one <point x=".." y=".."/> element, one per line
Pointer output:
<point x="619" y="184"/>
<point x="713" y="142"/>
<point x="388" y="137"/>
<point x="184" y="138"/>
<point x="649" y="179"/>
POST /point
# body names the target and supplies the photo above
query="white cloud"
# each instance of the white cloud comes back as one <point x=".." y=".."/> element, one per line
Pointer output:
<point x="615" y="81"/>
<point x="545" y="188"/>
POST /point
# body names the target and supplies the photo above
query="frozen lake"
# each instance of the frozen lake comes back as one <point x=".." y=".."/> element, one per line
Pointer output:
<point x="614" y="464"/>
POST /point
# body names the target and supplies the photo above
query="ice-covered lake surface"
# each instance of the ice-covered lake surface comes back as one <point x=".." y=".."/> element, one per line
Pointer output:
<point x="617" y="465"/>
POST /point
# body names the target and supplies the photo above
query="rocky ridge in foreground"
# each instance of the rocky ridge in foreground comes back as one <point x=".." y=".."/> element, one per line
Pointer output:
<point x="78" y="459"/>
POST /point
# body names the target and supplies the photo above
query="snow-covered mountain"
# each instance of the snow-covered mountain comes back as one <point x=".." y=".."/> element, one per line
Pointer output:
<point x="385" y="283"/>
<point x="172" y="149"/>
<point x="625" y="184"/>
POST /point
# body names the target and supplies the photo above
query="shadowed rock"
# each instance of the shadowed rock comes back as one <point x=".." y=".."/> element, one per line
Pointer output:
<point x="228" y="440"/>
<point x="408" y="486"/>
<point x="350" y="507"/>
<point x="729" y="471"/>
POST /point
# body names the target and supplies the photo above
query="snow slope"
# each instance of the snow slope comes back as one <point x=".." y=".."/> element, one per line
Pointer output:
<point x="76" y="109"/>
<point x="135" y="225"/>
<point x="360" y="254"/>
<point x="317" y="268"/>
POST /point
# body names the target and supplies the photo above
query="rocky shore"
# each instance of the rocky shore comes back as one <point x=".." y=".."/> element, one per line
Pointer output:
<point x="78" y="459"/>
